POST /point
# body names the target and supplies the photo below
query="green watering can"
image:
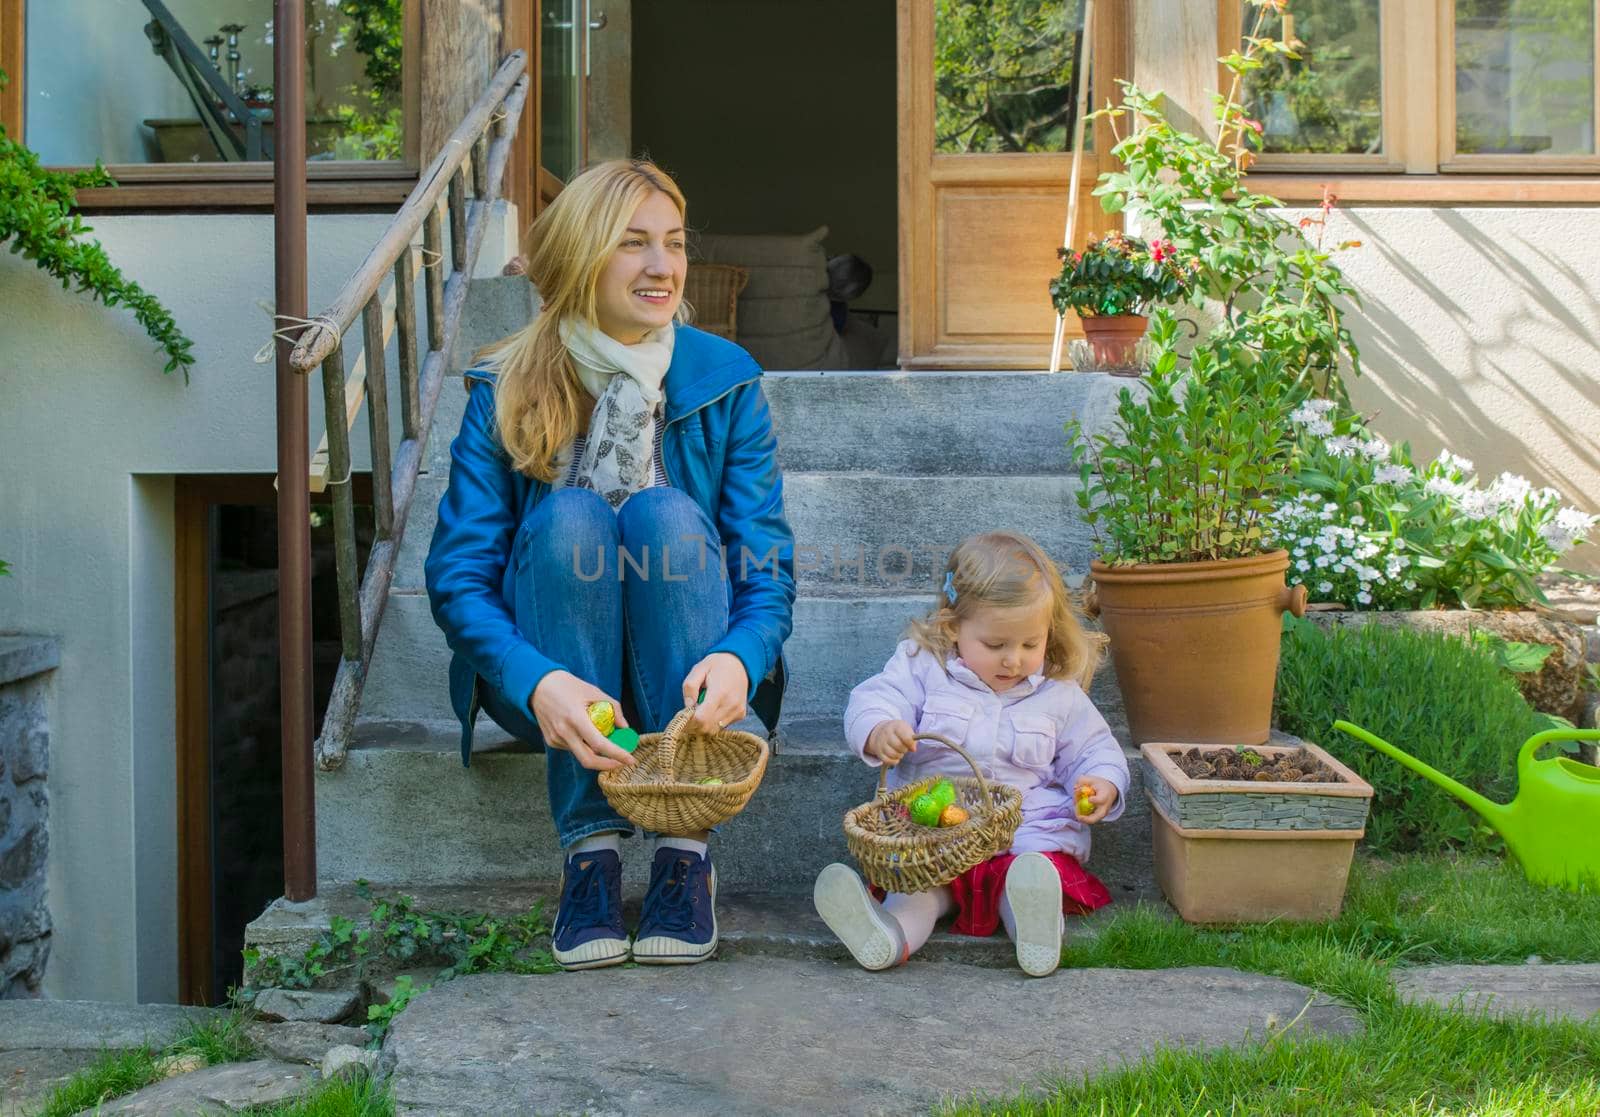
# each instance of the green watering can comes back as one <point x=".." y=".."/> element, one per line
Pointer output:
<point x="1552" y="826"/>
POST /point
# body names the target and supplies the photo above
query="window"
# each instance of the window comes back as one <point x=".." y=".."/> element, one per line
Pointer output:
<point x="178" y="93"/>
<point x="1424" y="86"/>
<point x="1005" y="78"/>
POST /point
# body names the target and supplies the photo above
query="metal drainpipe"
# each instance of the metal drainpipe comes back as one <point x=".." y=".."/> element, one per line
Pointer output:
<point x="294" y="501"/>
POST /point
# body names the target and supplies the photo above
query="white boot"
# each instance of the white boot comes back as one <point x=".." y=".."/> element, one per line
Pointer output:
<point x="872" y="934"/>
<point x="1033" y="891"/>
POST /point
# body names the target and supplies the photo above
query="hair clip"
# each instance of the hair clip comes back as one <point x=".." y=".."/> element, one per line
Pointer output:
<point x="950" y="586"/>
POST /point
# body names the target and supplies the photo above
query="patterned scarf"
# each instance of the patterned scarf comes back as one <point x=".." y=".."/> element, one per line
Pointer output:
<point x="618" y="454"/>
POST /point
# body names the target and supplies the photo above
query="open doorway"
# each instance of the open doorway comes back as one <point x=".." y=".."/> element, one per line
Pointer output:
<point x="230" y="805"/>
<point x="778" y="119"/>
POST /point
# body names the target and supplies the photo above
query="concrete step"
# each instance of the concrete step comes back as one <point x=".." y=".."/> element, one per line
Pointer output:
<point x="836" y="643"/>
<point x="861" y="533"/>
<point x="749" y="923"/>
<point x="402" y="810"/>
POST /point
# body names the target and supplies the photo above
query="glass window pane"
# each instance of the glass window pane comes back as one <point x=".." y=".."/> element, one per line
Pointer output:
<point x="1003" y="74"/>
<point x="1525" y="77"/>
<point x="1329" y="100"/>
<point x="560" y="86"/>
<point x="190" y="81"/>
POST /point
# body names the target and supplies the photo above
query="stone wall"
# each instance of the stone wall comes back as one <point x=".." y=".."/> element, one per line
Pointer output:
<point x="26" y="664"/>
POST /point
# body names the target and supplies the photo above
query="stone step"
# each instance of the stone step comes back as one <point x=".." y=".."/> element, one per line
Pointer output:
<point x="836" y="643"/>
<point x="402" y="810"/>
<point x="749" y="923"/>
<point x="860" y="533"/>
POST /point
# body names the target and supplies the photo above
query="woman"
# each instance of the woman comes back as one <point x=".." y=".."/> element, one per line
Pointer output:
<point x="613" y="531"/>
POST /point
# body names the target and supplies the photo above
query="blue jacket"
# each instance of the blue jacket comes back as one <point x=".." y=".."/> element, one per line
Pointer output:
<point x="718" y="448"/>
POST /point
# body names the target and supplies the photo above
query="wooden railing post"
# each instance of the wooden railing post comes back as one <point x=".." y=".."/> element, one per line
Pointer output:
<point x="344" y="509"/>
<point x="378" y="419"/>
<point x="405" y="320"/>
<point x="458" y="220"/>
<point x="434" y="267"/>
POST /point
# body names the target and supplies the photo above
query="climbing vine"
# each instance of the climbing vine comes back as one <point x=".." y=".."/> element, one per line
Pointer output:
<point x="38" y="221"/>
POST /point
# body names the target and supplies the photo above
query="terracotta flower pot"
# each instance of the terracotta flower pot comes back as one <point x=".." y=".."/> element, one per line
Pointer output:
<point x="1114" y="340"/>
<point x="1235" y="851"/>
<point x="1195" y="644"/>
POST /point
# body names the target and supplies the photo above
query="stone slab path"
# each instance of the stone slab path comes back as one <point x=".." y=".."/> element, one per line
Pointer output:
<point x="1568" y="990"/>
<point x="769" y="1036"/>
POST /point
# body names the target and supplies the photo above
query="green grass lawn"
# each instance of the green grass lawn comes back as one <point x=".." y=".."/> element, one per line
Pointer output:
<point x="1411" y="1059"/>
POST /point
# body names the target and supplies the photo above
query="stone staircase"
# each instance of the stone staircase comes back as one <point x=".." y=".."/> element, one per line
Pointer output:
<point x="879" y="470"/>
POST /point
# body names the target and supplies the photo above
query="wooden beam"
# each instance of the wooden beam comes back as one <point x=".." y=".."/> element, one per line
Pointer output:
<point x="192" y="678"/>
<point x="13" y="57"/>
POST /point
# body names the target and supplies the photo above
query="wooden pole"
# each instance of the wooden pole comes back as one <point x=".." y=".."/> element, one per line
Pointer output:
<point x="1084" y="54"/>
<point x="294" y="501"/>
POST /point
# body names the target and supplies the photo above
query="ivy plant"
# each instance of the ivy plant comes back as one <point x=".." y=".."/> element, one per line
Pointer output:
<point x="38" y="222"/>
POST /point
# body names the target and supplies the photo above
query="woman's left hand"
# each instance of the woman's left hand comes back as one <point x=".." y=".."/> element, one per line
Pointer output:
<point x="723" y="676"/>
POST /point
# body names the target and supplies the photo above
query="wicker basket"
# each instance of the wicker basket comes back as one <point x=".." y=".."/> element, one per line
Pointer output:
<point x="713" y="291"/>
<point x="662" y="791"/>
<point x="899" y="855"/>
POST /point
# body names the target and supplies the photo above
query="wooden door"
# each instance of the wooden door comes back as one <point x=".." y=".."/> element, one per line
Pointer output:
<point x="983" y="194"/>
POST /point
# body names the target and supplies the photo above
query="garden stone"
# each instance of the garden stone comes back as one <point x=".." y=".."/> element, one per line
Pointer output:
<point x="1559" y="687"/>
<point x="349" y="1061"/>
<point x="299" y="1041"/>
<point x="757" y="1036"/>
<point x="314" y="1005"/>
<point x="226" y="1088"/>
<point x="93" y="1025"/>
<point x="28" y="1077"/>
<point x="1570" y="990"/>
<point x="170" y="1066"/>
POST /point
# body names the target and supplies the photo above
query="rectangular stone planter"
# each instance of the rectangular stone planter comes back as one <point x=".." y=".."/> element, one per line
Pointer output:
<point x="1235" y="851"/>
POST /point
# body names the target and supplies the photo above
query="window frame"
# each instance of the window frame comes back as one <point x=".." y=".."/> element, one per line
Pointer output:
<point x="169" y="186"/>
<point x="1417" y="42"/>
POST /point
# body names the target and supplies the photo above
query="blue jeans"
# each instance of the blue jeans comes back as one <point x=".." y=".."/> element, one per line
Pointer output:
<point x="628" y="601"/>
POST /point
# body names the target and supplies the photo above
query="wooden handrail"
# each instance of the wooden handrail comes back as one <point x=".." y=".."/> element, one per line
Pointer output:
<point x="394" y="311"/>
<point x="314" y="345"/>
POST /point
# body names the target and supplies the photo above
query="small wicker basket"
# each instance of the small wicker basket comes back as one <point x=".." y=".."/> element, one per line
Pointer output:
<point x="899" y="855"/>
<point x="662" y="791"/>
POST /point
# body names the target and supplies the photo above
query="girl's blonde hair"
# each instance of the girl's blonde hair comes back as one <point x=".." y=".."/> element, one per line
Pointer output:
<point x="1006" y="570"/>
<point x="540" y="404"/>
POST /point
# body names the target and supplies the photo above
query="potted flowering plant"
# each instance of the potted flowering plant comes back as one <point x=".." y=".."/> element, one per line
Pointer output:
<point x="1189" y="582"/>
<point x="1111" y="285"/>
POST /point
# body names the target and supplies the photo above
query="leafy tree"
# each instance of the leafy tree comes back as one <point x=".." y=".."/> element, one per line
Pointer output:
<point x="38" y="222"/>
<point x="1004" y="75"/>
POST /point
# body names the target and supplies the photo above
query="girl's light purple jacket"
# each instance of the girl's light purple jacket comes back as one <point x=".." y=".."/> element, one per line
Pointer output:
<point x="1040" y="736"/>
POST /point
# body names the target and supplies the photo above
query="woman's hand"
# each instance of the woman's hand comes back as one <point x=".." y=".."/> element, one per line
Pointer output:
<point x="1102" y="793"/>
<point x="726" y="683"/>
<point x="889" y="742"/>
<point x="560" y="705"/>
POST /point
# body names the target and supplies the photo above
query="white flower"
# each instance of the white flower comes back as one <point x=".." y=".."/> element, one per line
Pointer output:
<point x="1302" y="566"/>
<point x="1477" y="504"/>
<point x="1324" y="561"/>
<point x="1575" y="523"/>
<point x="1509" y="489"/>
<point x="1326" y="543"/>
<point x="1319" y="406"/>
<point x="1443" y="486"/>
<point x="1330" y="507"/>
<point x="1324" y="587"/>
<point x="1392" y="475"/>
<point x="1364" y="597"/>
<point x="1343" y="446"/>
<point x="1448" y="461"/>
<point x="1375" y="448"/>
<point x="1358" y="521"/>
<point x="1326" y="513"/>
<point x="1310" y="416"/>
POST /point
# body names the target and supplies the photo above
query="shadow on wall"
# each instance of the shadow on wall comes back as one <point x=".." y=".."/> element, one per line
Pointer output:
<point x="1480" y="335"/>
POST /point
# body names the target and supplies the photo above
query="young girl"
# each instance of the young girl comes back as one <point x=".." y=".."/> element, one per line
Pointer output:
<point x="1000" y="666"/>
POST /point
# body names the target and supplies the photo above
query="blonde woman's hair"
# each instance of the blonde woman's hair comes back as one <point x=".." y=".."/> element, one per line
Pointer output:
<point x="540" y="404"/>
<point x="1007" y="570"/>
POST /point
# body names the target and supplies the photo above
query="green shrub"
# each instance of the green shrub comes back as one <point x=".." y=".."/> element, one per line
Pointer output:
<point x="1441" y="699"/>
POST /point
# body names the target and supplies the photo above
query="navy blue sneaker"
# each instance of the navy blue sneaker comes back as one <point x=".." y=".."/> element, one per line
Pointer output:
<point x="679" y="922"/>
<point x="588" y="932"/>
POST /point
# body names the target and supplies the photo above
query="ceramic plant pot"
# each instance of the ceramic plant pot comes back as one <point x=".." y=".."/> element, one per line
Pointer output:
<point x="1113" y="340"/>
<point x="1195" y="644"/>
<point x="1239" y="851"/>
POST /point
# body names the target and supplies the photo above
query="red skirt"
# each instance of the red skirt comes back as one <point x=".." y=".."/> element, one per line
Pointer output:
<point x="978" y="892"/>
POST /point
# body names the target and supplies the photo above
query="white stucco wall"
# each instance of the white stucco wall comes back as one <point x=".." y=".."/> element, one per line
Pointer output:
<point x="91" y="433"/>
<point x="1480" y="332"/>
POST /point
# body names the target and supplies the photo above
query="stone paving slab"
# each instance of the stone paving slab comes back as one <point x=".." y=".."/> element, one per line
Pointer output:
<point x="765" y="1036"/>
<point x="91" y="1025"/>
<point x="27" y="1077"/>
<point x="226" y="1088"/>
<point x="1570" y="990"/>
